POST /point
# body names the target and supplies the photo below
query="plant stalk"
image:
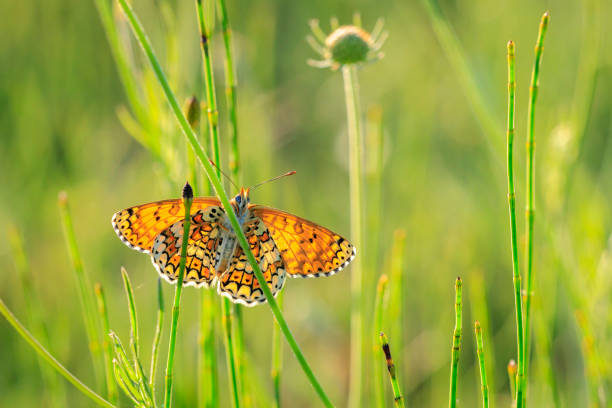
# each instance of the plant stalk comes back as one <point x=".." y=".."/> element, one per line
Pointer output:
<point x="353" y="113"/>
<point x="530" y="207"/>
<point x="452" y="400"/>
<point x="216" y="182"/>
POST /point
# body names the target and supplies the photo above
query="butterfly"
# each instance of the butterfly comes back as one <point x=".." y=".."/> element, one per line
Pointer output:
<point x="282" y="243"/>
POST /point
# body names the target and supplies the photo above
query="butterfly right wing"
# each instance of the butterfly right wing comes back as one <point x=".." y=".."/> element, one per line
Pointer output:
<point x="203" y="248"/>
<point x="239" y="283"/>
<point x="308" y="249"/>
<point x="138" y="226"/>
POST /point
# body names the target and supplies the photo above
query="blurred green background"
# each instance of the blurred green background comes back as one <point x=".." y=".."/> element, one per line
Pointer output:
<point x="63" y="120"/>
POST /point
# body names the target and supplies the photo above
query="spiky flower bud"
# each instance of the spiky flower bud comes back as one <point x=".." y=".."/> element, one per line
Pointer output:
<point x="349" y="45"/>
<point x="346" y="45"/>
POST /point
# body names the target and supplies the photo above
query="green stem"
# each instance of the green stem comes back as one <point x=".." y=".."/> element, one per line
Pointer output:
<point x="158" y="331"/>
<point x="134" y="341"/>
<point x="277" y="356"/>
<point x="209" y="394"/>
<point x="397" y="394"/>
<point x="234" y="165"/>
<point x="23" y="332"/>
<point x="481" y="361"/>
<point x="187" y="200"/>
<point x="84" y="289"/>
<point x="530" y="208"/>
<point x="452" y="400"/>
<point x="211" y="99"/>
<point x="516" y="276"/>
<point x="512" y="380"/>
<point x="379" y="306"/>
<point x="216" y="182"/>
<point x="230" y="347"/>
<point x="107" y="347"/>
<point x="353" y="113"/>
<point x="230" y="92"/>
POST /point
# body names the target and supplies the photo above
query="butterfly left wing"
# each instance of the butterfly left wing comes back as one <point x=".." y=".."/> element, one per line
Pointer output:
<point x="239" y="283"/>
<point x="307" y="249"/>
<point x="138" y="226"/>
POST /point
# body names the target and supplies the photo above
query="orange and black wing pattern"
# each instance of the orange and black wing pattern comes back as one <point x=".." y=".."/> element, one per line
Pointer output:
<point x="139" y="226"/>
<point x="239" y="282"/>
<point x="307" y="249"/>
<point x="203" y="249"/>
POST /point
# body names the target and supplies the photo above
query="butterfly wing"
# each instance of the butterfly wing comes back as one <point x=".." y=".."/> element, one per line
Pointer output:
<point x="138" y="226"/>
<point x="307" y="249"/>
<point x="203" y="253"/>
<point x="239" y="283"/>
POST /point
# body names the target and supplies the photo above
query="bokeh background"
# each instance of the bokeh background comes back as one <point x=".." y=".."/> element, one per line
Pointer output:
<point x="65" y="124"/>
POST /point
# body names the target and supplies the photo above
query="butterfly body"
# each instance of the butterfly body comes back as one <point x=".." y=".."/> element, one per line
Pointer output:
<point x="282" y="244"/>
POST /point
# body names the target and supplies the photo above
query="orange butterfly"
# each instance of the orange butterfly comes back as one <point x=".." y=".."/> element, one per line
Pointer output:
<point x="281" y="242"/>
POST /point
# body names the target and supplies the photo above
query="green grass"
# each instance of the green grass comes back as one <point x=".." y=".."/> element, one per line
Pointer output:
<point x="431" y="142"/>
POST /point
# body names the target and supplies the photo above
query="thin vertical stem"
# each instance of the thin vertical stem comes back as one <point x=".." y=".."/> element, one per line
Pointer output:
<point x="452" y="399"/>
<point x="530" y="208"/>
<point x="208" y="391"/>
<point x="83" y="289"/>
<point x="134" y="340"/>
<point x="516" y="276"/>
<point x="398" y="401"/>
<point x="23" y="332"/>
<point x="512" y="370"/>
<point x="187" y="199"/>
<point x="157" y="337"/>
<point x="229" y="346"/>
<point x="107" y="347"/>
<point x="379" y="306"/>
<point x="353" y="112"/>
<point x="144" y="42"/>
<point x="211" y="98"/>
<point x="481" y="360"/>
<point x="277" y="357"/>
<point x="230" y="92"/>
<point x="234" y="165"/>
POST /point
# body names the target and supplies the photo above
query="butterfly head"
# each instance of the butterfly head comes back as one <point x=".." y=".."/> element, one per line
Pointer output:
<point x="241" y="201"/>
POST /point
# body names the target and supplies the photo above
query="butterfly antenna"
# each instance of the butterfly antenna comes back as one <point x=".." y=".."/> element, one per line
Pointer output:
<point x="289" y="173"/>
<point x="224" y="175"/>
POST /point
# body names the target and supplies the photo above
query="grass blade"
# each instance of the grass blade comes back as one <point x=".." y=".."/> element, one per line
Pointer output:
<point x="187" y="200"/>
<point x="397" y="394"/>
<point x="379" y="307"/>
<point x="216" y="182"/>
<point x="83" y="289"/>
<point x="23" y="332"/>
<point x="158" y="331"/>
<point x="277" y="357"/>
<point x="516" y="276"/>
<point x="481" y="362"/>
<point x="452" y="399"/>
<point x="530" y="207"/>
<point x="107" y="347"/>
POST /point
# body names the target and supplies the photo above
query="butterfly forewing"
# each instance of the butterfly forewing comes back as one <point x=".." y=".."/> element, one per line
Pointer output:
<point x="307" y="249"/>
<point x="139" y="226"/>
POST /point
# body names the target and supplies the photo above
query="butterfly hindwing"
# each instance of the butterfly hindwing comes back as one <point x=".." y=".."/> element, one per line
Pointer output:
<point x="307" y="249"/>
<point x="139" y="226"/>
<point x="205" y="236"/>
<point x="239" y="282"/>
